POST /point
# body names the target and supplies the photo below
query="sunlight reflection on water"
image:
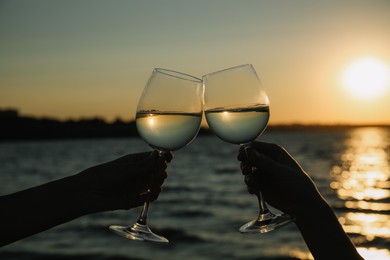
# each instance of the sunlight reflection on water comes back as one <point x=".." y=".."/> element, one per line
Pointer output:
<point x="362" y="182"/>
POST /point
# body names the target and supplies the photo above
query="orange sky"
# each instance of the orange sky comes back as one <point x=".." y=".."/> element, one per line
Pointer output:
<point x="74" y="59"/>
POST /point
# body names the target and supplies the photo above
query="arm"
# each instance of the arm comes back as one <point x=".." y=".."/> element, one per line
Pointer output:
<point x="286" y="186"/>
<point x="37" y="209"/>
<point x="324" y="235"/>
<point x="119" y="184"/>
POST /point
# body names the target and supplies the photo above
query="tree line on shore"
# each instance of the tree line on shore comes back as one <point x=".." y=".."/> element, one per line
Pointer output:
<point x="15" y="127"/>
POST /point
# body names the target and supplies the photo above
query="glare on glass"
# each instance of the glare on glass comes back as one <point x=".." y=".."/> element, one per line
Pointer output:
<point x="168" y="117"/>
<point x="237" y="110"/>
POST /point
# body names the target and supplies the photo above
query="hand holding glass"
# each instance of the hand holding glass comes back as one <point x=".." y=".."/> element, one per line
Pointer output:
<point x="168" y="117"/>
<point x="237" y="110"/>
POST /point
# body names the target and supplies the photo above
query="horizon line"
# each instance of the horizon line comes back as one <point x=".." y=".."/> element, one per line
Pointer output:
<point x="12" y="112"/>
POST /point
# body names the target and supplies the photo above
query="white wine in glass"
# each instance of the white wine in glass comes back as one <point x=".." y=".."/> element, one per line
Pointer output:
<point x="168" y="117"/>
<point x="237" y="111"/>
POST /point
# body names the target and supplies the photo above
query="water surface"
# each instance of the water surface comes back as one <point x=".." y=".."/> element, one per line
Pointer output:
<point x="205" y="201"/>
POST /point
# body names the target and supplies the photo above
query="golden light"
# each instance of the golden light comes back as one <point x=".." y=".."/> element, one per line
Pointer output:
<point x="361" y="181"/>
<point x="374" y="253"/>
<point x="366" y="79"/>
<point x="226" y="116"/>
<point x="151" y="120"/>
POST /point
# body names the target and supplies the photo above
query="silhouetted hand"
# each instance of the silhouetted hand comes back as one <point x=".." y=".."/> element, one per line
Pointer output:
<point x="286" y="186"/>
<point x="123" y="183"/>
<point x="282" y="181"/>
<point x="120" y="184"/>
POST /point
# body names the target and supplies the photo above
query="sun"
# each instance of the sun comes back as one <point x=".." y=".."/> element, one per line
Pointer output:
<point x="366" y="78"/>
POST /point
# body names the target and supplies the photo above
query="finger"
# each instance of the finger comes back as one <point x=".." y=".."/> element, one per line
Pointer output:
<point x="253" y="180"/>
<point x="274" y="151"/>
<point x="252" y="183"/>
<point x="246" y="167"/>
<point x="153" y="195"/>
<point x="263" y="162"/>
<point x="277" y="153"/>
<point x="159" y="178"/>
<point x="269" y="149"/>
<point x="252" y="190"/>
<point x="242" y="154"/>
<point x="168" y="156"/>
<point x="163" y="159"/>
<point x="161" y="165"/>
<point x="138" y="201"/>
<point x="159" y="174"/>
<point x="163" y="155"/>
<point x="272" y="170"/>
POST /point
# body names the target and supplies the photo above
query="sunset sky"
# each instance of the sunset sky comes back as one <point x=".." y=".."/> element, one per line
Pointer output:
<point x="319" y="61"/>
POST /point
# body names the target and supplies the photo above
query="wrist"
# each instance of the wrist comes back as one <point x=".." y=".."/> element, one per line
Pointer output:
<point x="313" y="212"/>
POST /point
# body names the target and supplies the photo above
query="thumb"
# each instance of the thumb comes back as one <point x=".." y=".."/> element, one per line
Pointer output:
<point x="258" y="163"/>
<point x="267" y="166"/>
<point x="275" y="171"/>
<point x="259" y="160"/>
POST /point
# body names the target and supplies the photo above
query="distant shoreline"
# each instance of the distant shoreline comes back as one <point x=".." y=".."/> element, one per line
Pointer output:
<point x="17" y="127"/>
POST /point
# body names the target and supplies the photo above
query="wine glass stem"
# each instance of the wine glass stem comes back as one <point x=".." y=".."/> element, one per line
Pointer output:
<point x="144" y="213"/>
<point x="262" y="206"/>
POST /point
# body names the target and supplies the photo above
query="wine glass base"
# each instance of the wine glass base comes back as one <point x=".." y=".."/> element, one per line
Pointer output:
<point x="266" y="222"/>
<point x="138" y="232"/>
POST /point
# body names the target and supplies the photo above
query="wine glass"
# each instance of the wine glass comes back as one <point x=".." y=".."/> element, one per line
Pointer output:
<point x="237" y="110"/>
<point x="168" y="117"/>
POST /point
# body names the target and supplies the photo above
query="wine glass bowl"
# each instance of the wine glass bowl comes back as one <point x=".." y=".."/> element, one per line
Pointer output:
<point x="167" y="130"/>
<point x="238" y="125"/>
<point x="168" y="117"/>
<point x="237" y="110"/>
